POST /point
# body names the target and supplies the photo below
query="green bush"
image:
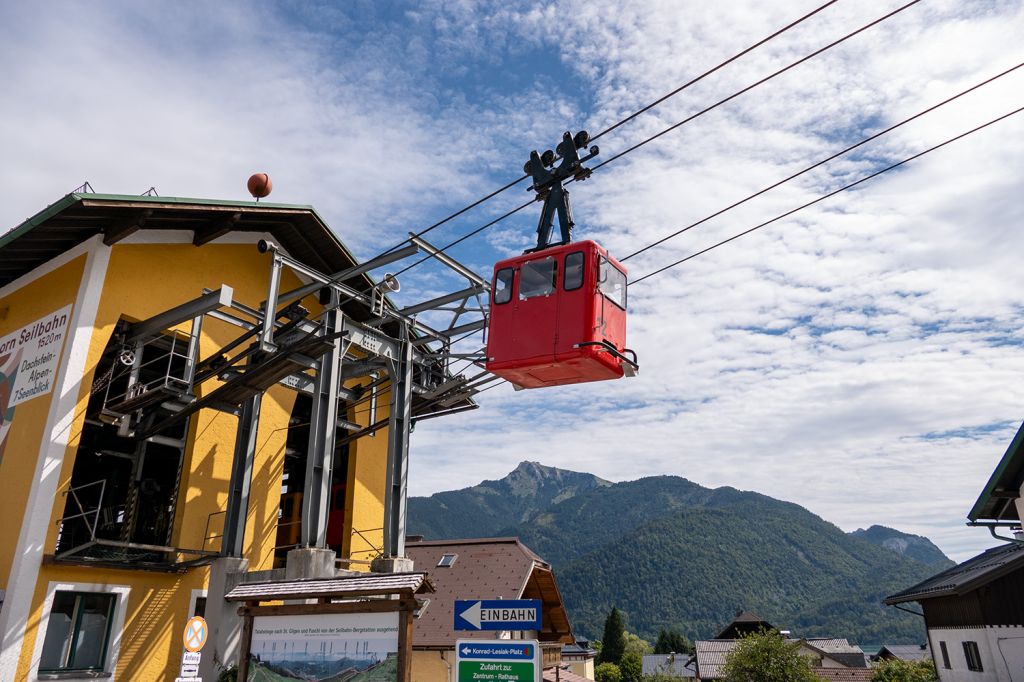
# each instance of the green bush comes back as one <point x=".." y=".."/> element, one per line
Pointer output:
<point x="607" y="672"/>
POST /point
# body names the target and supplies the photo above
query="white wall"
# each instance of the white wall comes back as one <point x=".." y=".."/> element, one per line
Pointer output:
<point x="1001" y="649"/>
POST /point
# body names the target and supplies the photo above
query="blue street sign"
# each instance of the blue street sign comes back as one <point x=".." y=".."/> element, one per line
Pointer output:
<point x="497" y="614"/>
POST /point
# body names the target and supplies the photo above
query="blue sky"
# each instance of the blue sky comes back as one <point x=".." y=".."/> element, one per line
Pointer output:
<point x="862" y="358"/>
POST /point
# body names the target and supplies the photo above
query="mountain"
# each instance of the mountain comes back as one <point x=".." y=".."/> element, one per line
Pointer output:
<point x="671" y="553"/>
<point x="484" y="509"/>
<point x="913" y="546"/>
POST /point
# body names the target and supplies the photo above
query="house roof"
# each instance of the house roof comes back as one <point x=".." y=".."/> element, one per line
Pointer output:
<point x="905" y="652"/>
<point x="668" y="664"/>
<point x="486" y="568"/>
<point x="743" y="623"/>
<point x="710" y="654"/>
<point x="560" y="674"/>
<point x="78" y="216"/>
<point x="839" y="650"/>
<point x="374" y="584"/>
<point x="966" y="577"/>
<point x="854" y="674"/>
<point x="996" y="502"/>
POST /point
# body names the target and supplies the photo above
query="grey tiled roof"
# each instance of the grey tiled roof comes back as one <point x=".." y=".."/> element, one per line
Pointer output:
<point x="711" y="656"/>
<point x="907" y="652"/>
<point x="966" y="577"/>
<point x="668" y="664"/>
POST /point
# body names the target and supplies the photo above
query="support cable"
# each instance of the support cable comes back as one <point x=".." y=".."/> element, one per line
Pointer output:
<point x="827" y="196"/>
<point x="822" y="162"/>
<point x="686" y="120"/>
<point x="710" y="71"/>
<point x="629" y="118"/>
<point x="756" y="84"/>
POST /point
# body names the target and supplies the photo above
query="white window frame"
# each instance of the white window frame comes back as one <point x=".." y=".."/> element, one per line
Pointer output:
<point x="116" y="627"/>
<point x="196" y="594"/>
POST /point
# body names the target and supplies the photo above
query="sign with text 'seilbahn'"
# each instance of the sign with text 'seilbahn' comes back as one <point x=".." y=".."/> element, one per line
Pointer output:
<point x="498" y="660"/>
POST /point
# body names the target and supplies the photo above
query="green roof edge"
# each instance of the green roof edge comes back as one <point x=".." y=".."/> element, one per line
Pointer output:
<point x="990" y="487"/>
<point x="69" y="199"/>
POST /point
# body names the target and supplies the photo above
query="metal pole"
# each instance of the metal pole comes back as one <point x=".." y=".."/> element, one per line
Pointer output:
<point x="241" y="477"/>
<point x="323" y="427"/>
<point x="398" y="449"/>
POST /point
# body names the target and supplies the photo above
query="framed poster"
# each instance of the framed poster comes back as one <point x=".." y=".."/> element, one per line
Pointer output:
<point x="355" y="647"/>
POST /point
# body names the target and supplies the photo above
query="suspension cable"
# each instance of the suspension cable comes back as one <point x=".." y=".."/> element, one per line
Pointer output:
<point x="827" y="196"/>
<point x="822" y="162"/>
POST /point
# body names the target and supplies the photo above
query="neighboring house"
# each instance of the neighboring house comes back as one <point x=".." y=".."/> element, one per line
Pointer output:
<point x="832" y="658"/>
<point x="578" y="657"/>
<point x="673" y="665"/>
<point x="491" y="568"/>
<point x="974" y="612"/>
<point x="904" y="652"/>
<point x="115" y="521"/>
<point x="825" y="654"/>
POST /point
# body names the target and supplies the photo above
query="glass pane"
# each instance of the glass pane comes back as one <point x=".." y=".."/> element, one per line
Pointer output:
<point x="58" y="632"/>
<point x="503" y="286"/>
<point x="612" y="283"/>
<point x="91" y="642"/>
<point x="537" y="278"/>
<point x="573" y="271"/>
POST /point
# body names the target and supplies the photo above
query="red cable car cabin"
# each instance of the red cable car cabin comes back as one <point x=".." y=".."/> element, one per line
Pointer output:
<point x="558" y="316"/>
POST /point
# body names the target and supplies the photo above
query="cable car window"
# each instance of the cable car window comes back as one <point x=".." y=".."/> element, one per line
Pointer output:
<point x="612" y="283"/>
<point x="573" y="278"/>
<point x="503" y="286"/>
<point x="537" y="278"/>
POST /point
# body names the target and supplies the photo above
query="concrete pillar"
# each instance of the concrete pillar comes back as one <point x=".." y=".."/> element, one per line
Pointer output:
<point x="222" y="617"/>
<point x="310" y="563"/>
<point x="393" y="564"/>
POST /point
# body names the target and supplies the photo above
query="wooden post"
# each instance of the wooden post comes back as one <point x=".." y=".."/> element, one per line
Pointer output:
<point x="244" y="646"/>
<point x="405" y="623"/>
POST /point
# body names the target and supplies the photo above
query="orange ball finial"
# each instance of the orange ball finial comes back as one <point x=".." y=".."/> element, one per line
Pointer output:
<point x="259" y="185"/>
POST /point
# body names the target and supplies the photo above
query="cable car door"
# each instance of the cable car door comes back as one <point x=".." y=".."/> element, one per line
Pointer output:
<point x="536" y="304"/>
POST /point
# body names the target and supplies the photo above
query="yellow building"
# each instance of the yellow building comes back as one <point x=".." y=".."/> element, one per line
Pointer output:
<point x="153" y="423"/>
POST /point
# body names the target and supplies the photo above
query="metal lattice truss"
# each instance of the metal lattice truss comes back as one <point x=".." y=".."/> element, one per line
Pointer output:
<point x="354" y="350"/>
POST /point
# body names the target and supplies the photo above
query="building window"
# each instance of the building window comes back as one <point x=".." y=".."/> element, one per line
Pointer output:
<point x="973" y="656"/>
<point x="447" y="560"/>
<point x="945" y="655"/>
<point x="78" y="632"/>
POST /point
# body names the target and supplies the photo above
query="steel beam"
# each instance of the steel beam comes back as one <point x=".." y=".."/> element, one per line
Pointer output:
<point x="372" y="264"/>
<point x="455" y="265"/>
<point x="442" y="300"/>
<point x="399" y="422"/>
<point x="241" y="478"/>
<point x="323" y="428"/>
<point x="182" y="313"/>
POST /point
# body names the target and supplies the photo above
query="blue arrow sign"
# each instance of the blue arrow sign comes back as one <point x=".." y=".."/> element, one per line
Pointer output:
<point x="497" y="614"/>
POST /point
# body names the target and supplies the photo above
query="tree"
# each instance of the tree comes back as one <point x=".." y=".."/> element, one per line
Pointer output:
<point x="672" y="641"/>
<point x="895" y="670"/>
<point x="632" y="666"/>
<point x="607" y="672"/>
<point x="613" y="643"/>
<point x="635" y="644"/>
<point x="767" y="657"/>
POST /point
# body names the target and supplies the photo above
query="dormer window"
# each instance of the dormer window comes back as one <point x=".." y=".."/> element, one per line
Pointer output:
<point x="447" y="560"/>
